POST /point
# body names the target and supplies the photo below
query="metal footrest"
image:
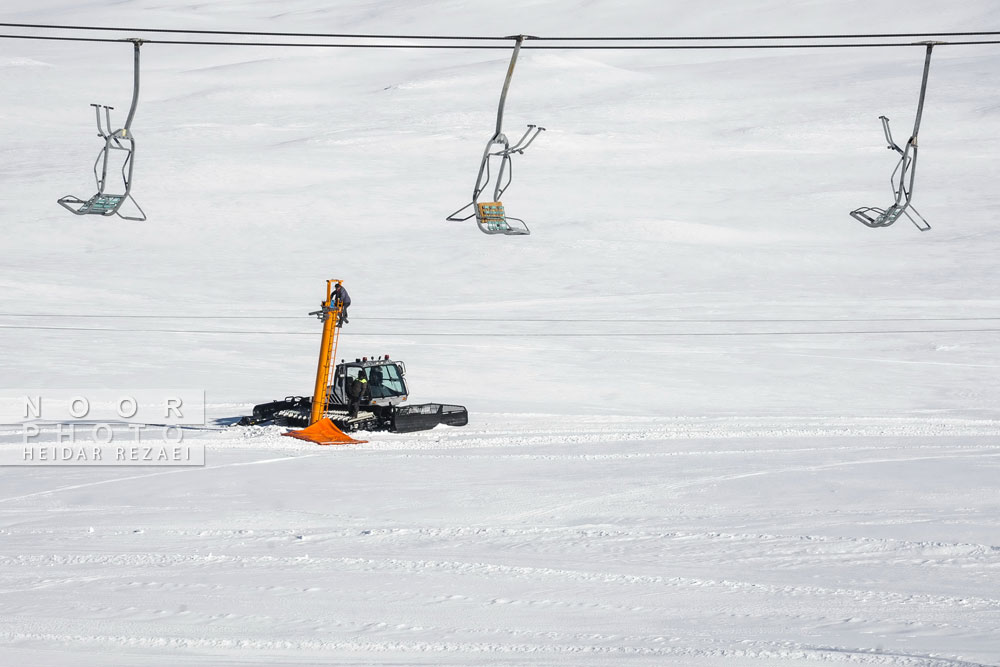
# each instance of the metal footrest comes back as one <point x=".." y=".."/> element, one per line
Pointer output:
<point x="872" y="216"/>
<point x="100" y="204"/>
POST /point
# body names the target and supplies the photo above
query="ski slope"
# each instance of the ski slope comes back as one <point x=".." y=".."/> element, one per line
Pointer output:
<point x="522" y="539"/>
<point x="714" y="420"/>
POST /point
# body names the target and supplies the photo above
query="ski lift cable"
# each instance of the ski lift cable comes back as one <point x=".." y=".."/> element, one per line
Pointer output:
<point x="582" y="320"/>
<point x="248" y="33"/>
<point x="726" y="38"/>
<point x="571" y="47"/>
<point x="619" y="38"/>
<point x="645" y="334"/>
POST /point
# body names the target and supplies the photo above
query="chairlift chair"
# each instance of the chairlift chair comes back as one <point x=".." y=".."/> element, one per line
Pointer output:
<point x="103" y="202"/>
<point x="491" y="216"/>
<point x="903" y="175"/>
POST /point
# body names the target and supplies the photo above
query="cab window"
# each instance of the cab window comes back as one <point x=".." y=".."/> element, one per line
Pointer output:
<point x="385" y="381"/>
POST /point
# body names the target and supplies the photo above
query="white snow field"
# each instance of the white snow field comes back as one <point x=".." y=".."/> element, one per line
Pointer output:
<point x="713" y="419"/>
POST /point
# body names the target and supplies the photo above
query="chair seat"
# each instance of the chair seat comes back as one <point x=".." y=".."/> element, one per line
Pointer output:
<point x="492" y="220"/>
<point x="102" y="204"/>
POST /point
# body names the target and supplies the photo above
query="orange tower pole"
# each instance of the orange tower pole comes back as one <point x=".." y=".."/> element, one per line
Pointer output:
<point x="321" y="430"/>
<point x="330" y="314"/>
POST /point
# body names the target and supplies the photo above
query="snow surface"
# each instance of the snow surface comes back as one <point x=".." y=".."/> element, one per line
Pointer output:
<point x="780" y="449"/>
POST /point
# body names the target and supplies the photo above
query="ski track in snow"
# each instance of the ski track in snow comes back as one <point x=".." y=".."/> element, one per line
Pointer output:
<point x="74" y="487"/>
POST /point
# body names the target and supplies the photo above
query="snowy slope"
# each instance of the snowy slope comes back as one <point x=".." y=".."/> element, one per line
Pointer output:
<point x="521" y="540"/>
<point x="668" y="186"/>
<point x="787" y="445"/>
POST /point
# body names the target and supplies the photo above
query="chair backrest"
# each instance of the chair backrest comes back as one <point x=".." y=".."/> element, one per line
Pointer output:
<point x="492" y="215"/>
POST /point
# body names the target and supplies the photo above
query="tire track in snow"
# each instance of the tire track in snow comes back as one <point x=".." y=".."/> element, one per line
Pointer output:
<point x="751" y="649"/>
<point x="782" y="550"/>
<point x="176" y="471"/>
<point x="878" y="544"/>
<point x="699" y="452"/>
<point x="145" y="560"/>
<point x="582" y="431"/>
<point x="674" y="486"/>
<point x="381" y="442"/>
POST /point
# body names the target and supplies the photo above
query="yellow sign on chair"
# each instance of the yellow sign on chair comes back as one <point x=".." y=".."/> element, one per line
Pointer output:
<point x="491" y="214"/>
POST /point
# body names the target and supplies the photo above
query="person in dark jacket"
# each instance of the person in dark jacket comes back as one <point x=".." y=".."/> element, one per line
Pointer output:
<point x="341" y="299"/>
<point x="356" y="390"/>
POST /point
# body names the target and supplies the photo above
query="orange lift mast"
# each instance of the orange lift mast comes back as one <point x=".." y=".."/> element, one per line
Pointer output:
<point x="330" y="314"/>
<point x="322" y="430"/>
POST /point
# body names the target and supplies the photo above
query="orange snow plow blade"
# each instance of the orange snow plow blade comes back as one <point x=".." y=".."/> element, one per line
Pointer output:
<point x="324" y="432"/>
